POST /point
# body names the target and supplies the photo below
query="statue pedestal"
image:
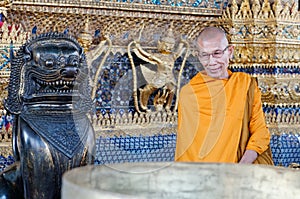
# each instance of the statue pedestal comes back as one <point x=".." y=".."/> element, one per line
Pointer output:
<point x="180" y="180"/>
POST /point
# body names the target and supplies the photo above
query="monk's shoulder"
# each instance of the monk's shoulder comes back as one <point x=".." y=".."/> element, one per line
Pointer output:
<point x="240" y="75"/>
<point x="188" y="88"/>
<point x="185" y="88"/>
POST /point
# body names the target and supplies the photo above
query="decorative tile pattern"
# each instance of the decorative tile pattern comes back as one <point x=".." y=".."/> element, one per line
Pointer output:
<point x="5" y="162"/>
<point x="158" y="148"/>
<point x="285" y="149"/>
<point x="266" y="69"/>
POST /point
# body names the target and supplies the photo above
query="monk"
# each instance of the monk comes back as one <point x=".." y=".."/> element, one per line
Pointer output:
<point x="220" y="116"/>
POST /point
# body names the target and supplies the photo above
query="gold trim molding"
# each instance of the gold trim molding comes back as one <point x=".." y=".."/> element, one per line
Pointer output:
<point x="111" y="7"/>
<point x="263" y="32"/>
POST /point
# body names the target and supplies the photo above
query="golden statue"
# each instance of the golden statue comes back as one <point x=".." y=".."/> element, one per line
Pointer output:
<point x="245" y="10"/>
<point x="256" y="8"/>
<point x="161" y="78"/>
<point x="104" y="47"/>
<point x="266" y="11"/>
<point x="234" y="9"/>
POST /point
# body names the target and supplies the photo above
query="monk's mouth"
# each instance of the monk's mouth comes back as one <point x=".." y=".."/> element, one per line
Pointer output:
<point x="216" y="69"/>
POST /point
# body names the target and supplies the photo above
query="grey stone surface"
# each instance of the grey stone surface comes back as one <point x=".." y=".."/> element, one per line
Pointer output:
<point x="181" y="180"/>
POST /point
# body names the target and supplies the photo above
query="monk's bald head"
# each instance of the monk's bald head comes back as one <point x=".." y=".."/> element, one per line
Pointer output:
<point x="212" y="34"/>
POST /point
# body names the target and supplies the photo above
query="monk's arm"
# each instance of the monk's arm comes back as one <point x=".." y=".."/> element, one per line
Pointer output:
<point x="248" y="157"/>
<point x="259" y="134"/>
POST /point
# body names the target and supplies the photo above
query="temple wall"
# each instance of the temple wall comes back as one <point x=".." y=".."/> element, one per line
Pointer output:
<point x="267" y="46"/>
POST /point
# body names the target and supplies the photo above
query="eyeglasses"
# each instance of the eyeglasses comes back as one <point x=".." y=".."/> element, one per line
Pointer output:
<point x="217" y="54"/>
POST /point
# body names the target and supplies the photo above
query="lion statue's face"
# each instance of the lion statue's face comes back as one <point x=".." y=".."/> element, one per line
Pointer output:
<point x="55" y="72"/>
<point x="50" y="69"/>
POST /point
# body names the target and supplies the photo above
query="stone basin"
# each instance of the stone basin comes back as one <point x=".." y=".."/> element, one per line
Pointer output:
<point x="181" y="180"/>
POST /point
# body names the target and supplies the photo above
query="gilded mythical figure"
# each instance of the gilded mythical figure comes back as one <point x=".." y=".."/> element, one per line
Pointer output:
<point x="103" y="48"/>
<point x="266" y="11"/>
<point x="22" y="35"/>
<point x="285" y="13"/>
<point x="94" y="51"/>
<point x="256" y="8"/>
<point x="163" y="77"/>
<point x="296" y="54"/>
<point x="245" y="11"/>
<point x="294" y="11"/>
<point x="277" y="7"/>
<point x="4" y="30"/>
<point x="247" y="53"/>
<point x="234" y="9"/>
<point x="265" y="54"/>
<point x="13" y="33"/>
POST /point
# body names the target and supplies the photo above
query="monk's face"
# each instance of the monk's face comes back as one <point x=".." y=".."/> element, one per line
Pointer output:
<point x="214" y="54"/>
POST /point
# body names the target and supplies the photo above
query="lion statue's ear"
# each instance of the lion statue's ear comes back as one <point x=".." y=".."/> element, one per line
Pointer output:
<point x="13" y="102"/>
<point x="82" y="54"/>
<point x="81" y="51"/>
<point x="27" y="54"/>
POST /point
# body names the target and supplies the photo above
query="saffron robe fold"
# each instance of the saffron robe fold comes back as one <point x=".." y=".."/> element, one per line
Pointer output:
<point x="210" y="118"/>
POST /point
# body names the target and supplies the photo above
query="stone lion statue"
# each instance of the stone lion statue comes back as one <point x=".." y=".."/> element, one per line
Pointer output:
<point x="49" y="96"/>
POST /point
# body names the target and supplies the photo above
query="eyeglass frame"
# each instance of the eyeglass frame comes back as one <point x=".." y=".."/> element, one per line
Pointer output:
<point x="213" y="54"/>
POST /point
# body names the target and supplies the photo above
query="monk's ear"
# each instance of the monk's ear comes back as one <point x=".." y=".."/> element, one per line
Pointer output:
<point x="230" y="50"/>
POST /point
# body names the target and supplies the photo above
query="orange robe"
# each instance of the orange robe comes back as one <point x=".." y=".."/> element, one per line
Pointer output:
<point x="210" y="115"/>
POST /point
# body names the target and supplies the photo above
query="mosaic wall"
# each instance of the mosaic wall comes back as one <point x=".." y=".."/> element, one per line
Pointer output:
<point x="265" y="36"/>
